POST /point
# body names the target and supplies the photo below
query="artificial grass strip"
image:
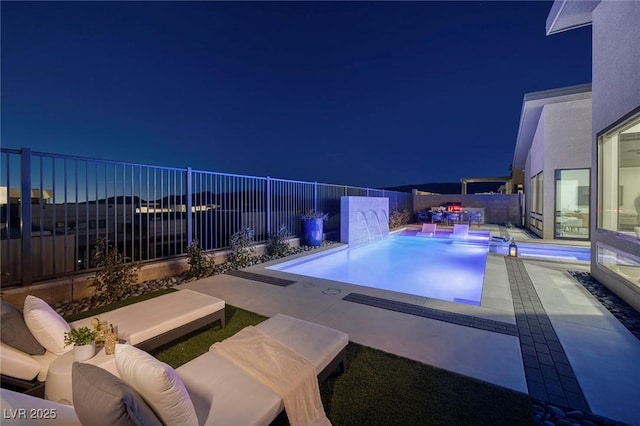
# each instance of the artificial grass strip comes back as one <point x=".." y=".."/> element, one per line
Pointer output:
<point x="384" y="389"/>
<point x="116" y="305"/>
<point x="198" y="342"/>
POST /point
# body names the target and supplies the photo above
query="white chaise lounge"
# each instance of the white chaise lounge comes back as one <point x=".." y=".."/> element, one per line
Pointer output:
<point x="154" y="322"/>
<point x="223" y="394"/>
<point x="428" y="230"/>
<point x="147" y="325"/>
<point x="460" y="231"/>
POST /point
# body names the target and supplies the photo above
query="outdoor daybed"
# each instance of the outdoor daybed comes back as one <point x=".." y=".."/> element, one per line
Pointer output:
<point x="209" y="390"/>
<point x="30" y="345"/>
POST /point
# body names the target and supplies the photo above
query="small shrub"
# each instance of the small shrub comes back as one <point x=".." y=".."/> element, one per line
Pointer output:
<point x="397" y="219"/>
<point x="200" y="264"/>
<point x="242" y="251"/>
<point x="114" y="275"/>
<point x="314" y="214"/>
<point x="80" y="336"/>
<point x="278" y="244"/>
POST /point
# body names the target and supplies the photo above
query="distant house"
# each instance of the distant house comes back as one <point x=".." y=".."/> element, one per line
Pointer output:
<point x="615" y="146"/>
<point x="553" y="148"/>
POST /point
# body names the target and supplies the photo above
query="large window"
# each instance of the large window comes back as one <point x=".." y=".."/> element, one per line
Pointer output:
<point x="619" y="178"/>
<point x="572" y="204"/>
<point x="535" y="215"/>
<point x="534" y="195"/>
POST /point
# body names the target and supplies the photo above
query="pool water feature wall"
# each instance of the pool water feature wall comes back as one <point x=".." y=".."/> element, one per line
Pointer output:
<point x="363" y="219"/>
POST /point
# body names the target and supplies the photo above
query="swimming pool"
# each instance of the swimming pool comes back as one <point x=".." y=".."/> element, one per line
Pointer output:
<point x="440" y="268"/>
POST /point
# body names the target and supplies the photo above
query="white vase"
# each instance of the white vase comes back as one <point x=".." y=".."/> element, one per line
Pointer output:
<point x="84" y="352"/>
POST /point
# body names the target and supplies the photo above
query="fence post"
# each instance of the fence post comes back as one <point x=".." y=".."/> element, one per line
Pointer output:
<point x="315" y="196"/>
<point x="25" y="214"/>
<point x="268" y="204"/>
<point x="189" y="207"/>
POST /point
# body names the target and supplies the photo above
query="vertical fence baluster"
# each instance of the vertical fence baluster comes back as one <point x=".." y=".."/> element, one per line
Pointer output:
<point x="25" y="206"/>
<point x="189" y="190"/>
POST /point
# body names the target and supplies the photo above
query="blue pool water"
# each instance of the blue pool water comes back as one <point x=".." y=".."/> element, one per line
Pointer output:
<point x="440" y="268"/>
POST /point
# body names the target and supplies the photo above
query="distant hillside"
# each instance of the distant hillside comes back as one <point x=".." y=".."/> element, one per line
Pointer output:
<point x="449" y="187"/>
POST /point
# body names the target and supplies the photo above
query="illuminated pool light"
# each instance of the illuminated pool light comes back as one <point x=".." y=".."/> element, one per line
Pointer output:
<point x="440" y="268"/>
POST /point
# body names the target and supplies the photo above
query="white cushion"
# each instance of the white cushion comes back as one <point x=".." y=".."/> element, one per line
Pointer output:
<point x="315" y="342"/>
<point x="150" y="318"/>
<point x="224" y="394"/>
<point x="17" y="364"/>
<point x="46" y="325"/>
<point x="157" y="383"/>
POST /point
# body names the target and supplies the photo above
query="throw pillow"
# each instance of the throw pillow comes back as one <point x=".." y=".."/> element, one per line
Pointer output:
<point x="100" y="398"/>
<point x="14" y="332"/>
<point x="157" y="383"/>
<point x="46" y="325"/>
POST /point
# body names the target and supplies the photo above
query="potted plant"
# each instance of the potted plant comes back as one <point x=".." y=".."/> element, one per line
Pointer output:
<point x="84" y="342"/>
<point x="313" y="226"/>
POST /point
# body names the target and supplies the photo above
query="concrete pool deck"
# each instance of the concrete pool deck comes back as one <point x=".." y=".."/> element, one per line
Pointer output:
<point x="566" y="346"/>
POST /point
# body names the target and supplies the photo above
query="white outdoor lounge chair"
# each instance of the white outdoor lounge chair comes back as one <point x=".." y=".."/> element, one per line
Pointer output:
<point x="224" y="394"/>
<point x="460" y="231"/>
<point x="428" y="230"/>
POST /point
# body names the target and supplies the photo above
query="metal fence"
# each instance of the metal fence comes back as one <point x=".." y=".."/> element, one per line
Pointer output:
<point x="148" y="212"/>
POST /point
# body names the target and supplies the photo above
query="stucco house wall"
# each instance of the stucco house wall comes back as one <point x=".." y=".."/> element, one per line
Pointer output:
<point x="567" y="146"/>
<point x="534" y="165"/>
<point x="616" y="61"/>
<point x="562" y="141"/>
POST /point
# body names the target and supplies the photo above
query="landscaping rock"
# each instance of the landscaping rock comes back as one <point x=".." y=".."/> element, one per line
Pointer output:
<point x="575" y="415"/>
<point x="556" y="412"/>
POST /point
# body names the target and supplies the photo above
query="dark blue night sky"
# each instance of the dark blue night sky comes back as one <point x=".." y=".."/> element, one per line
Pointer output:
<point x="367" y="94"/>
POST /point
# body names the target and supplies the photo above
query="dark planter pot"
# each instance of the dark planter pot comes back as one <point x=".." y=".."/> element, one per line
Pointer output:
<point x="312" y="231"/>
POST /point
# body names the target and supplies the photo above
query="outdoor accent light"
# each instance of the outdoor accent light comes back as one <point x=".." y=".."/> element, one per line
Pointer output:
<point x="513" y="249"/>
